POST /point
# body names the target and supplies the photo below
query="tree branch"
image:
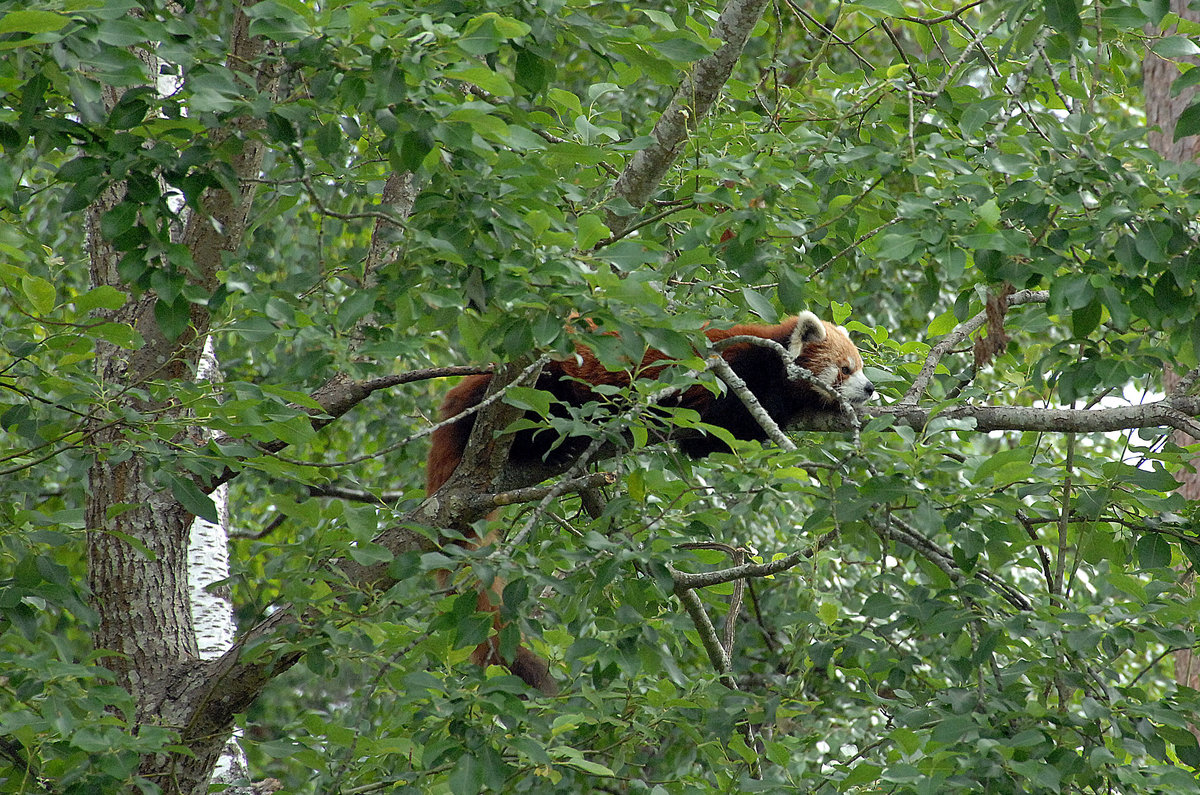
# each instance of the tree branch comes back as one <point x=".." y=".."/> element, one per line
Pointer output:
<point x="340" y="394"/>
<point x="720" y="652"/>
<point x="736" y="385"/>
<point x="708" y="634"/>
<point x="697" y="92"/>
<point x="707" y="579"/>
<point x="399" y="195"/>
<point x="1171" y="412"/>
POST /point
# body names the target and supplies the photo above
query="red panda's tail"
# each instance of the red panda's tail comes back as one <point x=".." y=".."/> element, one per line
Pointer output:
<point x="445" y="454"/>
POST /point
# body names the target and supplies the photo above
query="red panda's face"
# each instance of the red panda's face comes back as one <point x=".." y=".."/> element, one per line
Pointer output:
<point x="840" y="365"/>
<point x="829" y="354"/>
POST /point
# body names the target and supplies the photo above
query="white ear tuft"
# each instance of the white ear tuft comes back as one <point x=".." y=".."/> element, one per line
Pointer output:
<point x="809" y="328"/>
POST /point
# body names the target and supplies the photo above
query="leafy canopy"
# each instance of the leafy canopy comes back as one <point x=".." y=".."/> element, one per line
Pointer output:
<point x="890" y="164"/>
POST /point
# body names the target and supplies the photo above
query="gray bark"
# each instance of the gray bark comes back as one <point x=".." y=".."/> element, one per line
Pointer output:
<point x="1162" y="111"/>
<point x="137" y="554"/>
<point x="697" y="92"/>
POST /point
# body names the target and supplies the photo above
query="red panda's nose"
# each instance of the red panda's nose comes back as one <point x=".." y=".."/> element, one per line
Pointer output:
<point x="868" y="389"/>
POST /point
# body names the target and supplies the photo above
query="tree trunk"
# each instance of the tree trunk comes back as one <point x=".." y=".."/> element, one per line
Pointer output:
<point x="1162" y="111"/>
<point x="137" y="527"/>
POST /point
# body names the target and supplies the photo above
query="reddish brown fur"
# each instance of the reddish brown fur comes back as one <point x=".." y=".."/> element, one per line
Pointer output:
<point x="833" y="358"/>
<point x="450" y="440"/>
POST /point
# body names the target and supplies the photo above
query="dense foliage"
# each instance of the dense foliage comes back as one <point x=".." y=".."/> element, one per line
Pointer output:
<point x="975" y="611"/>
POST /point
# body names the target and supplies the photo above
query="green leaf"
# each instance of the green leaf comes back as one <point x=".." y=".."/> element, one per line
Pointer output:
<point x="571" y="757"/>
<point x="103" y="297"/>
<point x="1063" y="16"/>
<point x="466" y="778"/>
<point x="1155" y="9"/>
<point x="942" y="324"/>
<point x="32" y="22"/>
<point x="484" y="78"/>
<point x="891" y="8"/>
<point x="565" y="101"/>
<point x="1186" y="80"/>
<point x="81" y="168"/>
<point x="354" y="308"/>
<point x="530" y="399"/>
<point x="1153" y="240"/>
<point x="119" y="220"/>
<point x="989" y="212"/>
<point x="1075" y="290"/>
<point x="840" y="312"/>
<point x="761" y="306"/>
<point x="1153" y="551"/>
<point x="533" y="72"/>
<point x="1175" y="47"/>
<point x="1005" y="464"/>
<point x="894" y="246"/>
<point x="1010" y="164"/>
<point x="173" y="316"/>
<point x="127" y="113"/>
<point x="863" y="773"/>
<point x="481" y="36"/>
<point x="1186" y="747"/>
<point x="328" y="138"/>
<point x="1085" y="320"/>
<point x="368" y="554"/>
<point x="191" y="498"/>
<point x="41" y="293"/>
<point x="510" y="28"/>
<point x="414" y="146"/>
<point x="1188" y="122"/>
<point x="660" y="18"/>
<point x="681" y="50"/>
<point x="591" y="230"/>
<point x="120" y="334"/>
<point x="93" y="739"/>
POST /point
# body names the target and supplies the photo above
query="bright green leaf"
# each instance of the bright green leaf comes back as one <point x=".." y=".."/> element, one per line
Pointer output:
<point x="32" y="22"/>
<point x="1175" y="47"/>
<point x="891" y="8"/>
<point x="590" y="231"/>
<point x="41" y="293"/>
<point x="484" y="78"/>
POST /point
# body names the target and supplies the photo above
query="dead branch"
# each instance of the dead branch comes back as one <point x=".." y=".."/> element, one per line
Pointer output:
<point x="957" y="336"/>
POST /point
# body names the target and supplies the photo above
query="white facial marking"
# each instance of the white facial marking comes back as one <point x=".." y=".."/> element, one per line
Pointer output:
<point x="857" y="388"/>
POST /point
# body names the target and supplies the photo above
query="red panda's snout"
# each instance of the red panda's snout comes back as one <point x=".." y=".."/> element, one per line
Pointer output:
<point x="856" y="387"/>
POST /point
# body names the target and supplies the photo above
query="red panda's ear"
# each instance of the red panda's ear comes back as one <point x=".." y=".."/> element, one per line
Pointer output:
<point x="809" y="328"/>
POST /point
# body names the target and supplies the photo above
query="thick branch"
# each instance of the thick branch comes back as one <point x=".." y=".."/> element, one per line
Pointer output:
<point x="697" y="93"/>
<point x="708" y="634"/>
<point x="1172" y="412"/>
<point x="399" y="195"/>
<point x="720" y="651"/>
<point x="736" y="385"/>
<point x="340" y="393"/>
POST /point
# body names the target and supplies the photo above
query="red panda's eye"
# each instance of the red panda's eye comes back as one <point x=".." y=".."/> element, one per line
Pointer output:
<point x="845" y="369"/>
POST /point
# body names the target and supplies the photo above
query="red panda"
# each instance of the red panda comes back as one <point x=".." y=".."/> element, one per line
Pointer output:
<point x="821" y="347"/>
